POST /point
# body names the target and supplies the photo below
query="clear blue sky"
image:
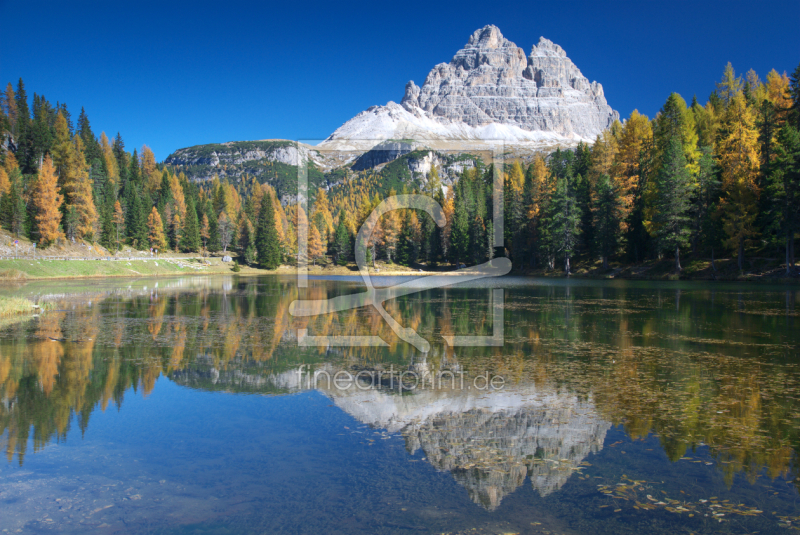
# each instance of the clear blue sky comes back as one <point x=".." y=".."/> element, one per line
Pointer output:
<point x="174" y="74"/>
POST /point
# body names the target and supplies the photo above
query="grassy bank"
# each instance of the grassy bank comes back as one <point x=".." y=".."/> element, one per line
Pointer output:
<point x="26" y="269"/>
<point x="29" y="269"/>
<point x="726" y="269"/>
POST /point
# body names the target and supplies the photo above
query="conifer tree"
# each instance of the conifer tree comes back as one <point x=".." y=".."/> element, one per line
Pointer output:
<point x="794" y="96"/>
<point x="118" y="148"/>
<point x="564" y="220"/>
<point x="118" y="219"/>
<point x="671" y="221"/>
<point x="47" y="203"/>
<point x="177" y="232"/>
<point x="267" y="245"/>
<point x="5" y="183"/>
<point x="784" y="190"/>
<point x="213" y="229"/>
<point x="191" y="230"/>
<point x="13" y="204"/>
<point x="739" y="160"/>
<point x="341" y="242"/>
<point x="80" y="195"/>
<point x="134" y="174"/>
<point x="151" y="176"/>
<point x="315" y="248"/>
<point x="10" y="104"/>
<point x="607" y="217"/>
<point x="459" y="235"/>
<point x="23" y="137"/>
<point x="136" y="220"/>
<point x="205" y="231"/>
<point x="87" y="136"/>
<point x="705" y="201"/>
<point x="109" y="160"/>
<point x="155" y="227"/>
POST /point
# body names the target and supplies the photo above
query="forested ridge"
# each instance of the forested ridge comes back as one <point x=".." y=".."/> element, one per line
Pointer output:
<point x="702" y="180"/>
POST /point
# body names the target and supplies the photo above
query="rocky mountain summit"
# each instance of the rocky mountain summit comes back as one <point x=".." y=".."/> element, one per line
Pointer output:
<point x="490" y="97"/>
<point x="490" y="91"/>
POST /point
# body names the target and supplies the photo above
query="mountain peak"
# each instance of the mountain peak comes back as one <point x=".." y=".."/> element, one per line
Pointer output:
<point x="489" y="36"/>
<point x="546" y="47"/>
<point x="491" y="91"/>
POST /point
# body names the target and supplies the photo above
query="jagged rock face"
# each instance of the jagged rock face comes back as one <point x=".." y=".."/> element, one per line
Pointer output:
<point x="490" y="90"/>
<point x="491" y="453"/>
<point x="489" y="442"/>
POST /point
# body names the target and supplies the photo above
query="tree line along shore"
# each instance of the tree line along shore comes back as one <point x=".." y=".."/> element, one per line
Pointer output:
<point x="700" y="191"/>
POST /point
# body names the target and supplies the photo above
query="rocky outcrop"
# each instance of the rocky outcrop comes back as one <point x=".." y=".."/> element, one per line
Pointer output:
<point x="220" y="155"/>
<point x="490" y="91"/>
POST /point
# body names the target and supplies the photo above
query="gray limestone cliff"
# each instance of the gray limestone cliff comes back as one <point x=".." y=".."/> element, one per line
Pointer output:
<point x="491" y="90"/>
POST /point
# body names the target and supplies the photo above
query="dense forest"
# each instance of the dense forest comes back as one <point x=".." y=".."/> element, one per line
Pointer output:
<point x="713" y="179"/>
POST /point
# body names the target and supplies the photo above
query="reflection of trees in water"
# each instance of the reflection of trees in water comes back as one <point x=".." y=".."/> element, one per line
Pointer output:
<point x="693" y="367"/>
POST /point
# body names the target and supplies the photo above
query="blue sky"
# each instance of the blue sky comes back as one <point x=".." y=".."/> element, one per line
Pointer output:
<point x="175" y="74"/>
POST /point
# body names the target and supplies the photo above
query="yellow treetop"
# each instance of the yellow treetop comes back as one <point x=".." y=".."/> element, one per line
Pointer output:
<point x="150" y="174"/>
<point x="47" y="202"/>
<point x="155" y="228"/>
<point x="636" y="134"/>
<point x="739" y="159"/>
<point x="108" y="158"/>
<point x="80" y="195"/>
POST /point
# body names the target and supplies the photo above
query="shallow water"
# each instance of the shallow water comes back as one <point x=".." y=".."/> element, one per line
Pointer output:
<point x="187" y="406"/>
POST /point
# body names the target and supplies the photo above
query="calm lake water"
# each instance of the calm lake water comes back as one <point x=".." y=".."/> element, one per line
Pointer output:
<point x="187" y="406"/>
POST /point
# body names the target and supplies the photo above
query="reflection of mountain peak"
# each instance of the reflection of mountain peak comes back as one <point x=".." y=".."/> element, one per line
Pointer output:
<point x="490" y="441"/>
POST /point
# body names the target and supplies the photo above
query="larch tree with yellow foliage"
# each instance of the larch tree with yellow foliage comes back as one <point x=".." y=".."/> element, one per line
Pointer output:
<point x="151" y="176"/>
<point x="79" y="193"/>
<point x="739" y="159"/>
<point x="109" y="160"/>
<point x="47" y="203"/>
<point x="315" y="248"/>
<point x="155" y="227"/>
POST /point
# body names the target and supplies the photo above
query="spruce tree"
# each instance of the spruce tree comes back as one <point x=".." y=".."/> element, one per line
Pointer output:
<point x="341" y="242"/>
<point x="459" y="235"/>
<point x="87" y="136"/>
<point x="23" y="134"/>
<point x="213" y="228"/>
<point x="673" y="188"/>
<point x="564" y="220"/>
<point x="794" y="94"/>
<point x="606" y="217"/>
<point x="784" y="190"/>
<point x="134" y="174"/>
<point x="267" y="245"/>
<point x="190" y="241"/>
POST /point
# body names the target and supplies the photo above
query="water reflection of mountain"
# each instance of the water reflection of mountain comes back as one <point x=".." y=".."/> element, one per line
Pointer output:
<point x="694" y="366"/>
<point x="490" y="441"/>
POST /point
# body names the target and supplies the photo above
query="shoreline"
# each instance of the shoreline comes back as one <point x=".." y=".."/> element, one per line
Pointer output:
<point x="22" y="270"/>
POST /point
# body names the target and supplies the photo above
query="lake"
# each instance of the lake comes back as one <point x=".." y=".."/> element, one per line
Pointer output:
<point x="204" y="406"/>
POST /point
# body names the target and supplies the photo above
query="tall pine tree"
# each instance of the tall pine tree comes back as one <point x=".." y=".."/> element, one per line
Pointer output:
<point x="267" y="245"/>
